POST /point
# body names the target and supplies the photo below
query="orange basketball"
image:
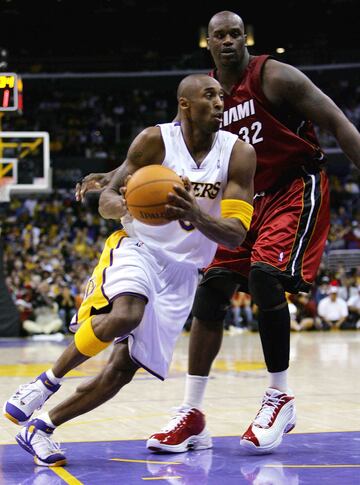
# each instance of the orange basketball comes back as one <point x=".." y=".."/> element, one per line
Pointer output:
<point x="147" y="192"/>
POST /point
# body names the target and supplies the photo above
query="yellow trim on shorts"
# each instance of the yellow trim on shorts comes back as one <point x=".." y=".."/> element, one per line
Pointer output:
<point x="94" y="296"/>
<point x="86" y="342"/>
<point x="237" y="208"/>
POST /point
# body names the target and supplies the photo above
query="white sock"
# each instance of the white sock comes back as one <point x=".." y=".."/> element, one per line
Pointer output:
<point x="46" y="418"/>
<point x="194" y="391"/>
<point x="52" y="378"/>
<point x="278" y="380"/>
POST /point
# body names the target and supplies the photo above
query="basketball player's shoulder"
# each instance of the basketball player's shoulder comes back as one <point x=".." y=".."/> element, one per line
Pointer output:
<point x="244" y="154"/>
<point x="277" y="71"/>
<point x="148" y="145"/>
<point x="151" y="133"/>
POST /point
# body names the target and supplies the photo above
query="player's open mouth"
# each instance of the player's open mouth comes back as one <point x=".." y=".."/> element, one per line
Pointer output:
<point x="218" y="117"/>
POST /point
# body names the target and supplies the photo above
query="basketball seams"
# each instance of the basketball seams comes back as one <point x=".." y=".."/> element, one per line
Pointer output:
<point x="147" y="193"/>
<point x="175" y="181"/>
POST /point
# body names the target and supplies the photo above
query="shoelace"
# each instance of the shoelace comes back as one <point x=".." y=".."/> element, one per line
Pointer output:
<point x="268" y="407"/>
<point x="45" y="445"/>
<point x="174" y="422"/>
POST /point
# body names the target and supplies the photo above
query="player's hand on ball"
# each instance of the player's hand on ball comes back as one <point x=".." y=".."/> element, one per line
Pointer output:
<point x="182" y="204"/>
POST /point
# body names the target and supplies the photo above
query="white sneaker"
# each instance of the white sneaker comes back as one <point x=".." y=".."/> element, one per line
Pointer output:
<point x="276" y="417"/>
<point x="29" y="397"/>
<point x="35" y="438"/>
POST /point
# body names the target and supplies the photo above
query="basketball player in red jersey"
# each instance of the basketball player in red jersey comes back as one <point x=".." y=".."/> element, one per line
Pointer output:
<point x="268" y="104"/>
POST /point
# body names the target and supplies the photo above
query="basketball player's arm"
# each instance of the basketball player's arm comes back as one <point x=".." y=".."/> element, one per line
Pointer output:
<point x="285" y="85"/>
<point x="227" y="231"/>
<point x="147" y="148"/>
<point x="93" y="182"/>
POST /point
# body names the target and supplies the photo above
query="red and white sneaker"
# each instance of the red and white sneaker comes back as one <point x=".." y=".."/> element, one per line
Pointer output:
<point x="185" y="431"/>
<point x="276" y="417"/>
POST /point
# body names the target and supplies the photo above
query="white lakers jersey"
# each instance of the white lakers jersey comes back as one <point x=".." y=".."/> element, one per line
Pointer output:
<point x="179" y="240"/>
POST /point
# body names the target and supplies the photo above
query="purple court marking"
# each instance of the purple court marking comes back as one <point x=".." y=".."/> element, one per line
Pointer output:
<point x="306" y="459"/>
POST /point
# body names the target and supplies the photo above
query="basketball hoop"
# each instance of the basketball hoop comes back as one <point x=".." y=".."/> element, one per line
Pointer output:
<point x="5" y="187"/>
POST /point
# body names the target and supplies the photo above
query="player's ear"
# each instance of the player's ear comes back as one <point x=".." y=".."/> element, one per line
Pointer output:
<point x="207" y="43"/>
<point x="245" y="39"/>
<point x="183" y="103"/>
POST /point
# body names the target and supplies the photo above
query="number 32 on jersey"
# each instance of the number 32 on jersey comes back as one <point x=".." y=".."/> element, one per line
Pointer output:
<point x="251" y="135"/>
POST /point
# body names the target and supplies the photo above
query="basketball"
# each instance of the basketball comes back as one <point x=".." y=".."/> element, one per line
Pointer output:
<point x="147" y="193"/>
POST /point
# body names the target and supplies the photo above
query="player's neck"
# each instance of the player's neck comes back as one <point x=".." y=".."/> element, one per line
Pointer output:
<point x="197" y="142"/>
<point x="229" y="76"/>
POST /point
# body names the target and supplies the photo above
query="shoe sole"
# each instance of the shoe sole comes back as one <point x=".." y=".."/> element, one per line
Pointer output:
<point x="37" y="460"/>
<point x="253" y="449"/>
<point x="12" y="418"/>
<point x="201" y="441"/>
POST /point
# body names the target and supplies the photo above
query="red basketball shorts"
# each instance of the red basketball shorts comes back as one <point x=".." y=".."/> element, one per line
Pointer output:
<point x="287" y="234"/>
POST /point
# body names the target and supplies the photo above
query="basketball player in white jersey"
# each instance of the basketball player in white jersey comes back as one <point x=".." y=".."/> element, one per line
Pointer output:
<point x="142" y="290"/>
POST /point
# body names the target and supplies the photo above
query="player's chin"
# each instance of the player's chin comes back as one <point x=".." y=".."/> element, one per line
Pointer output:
<point x="215" y="124"/>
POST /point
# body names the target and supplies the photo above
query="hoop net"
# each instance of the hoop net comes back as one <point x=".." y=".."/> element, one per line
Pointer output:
<point x="5" y="187"/>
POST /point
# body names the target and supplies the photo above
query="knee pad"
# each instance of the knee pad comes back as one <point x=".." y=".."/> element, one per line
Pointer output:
<point x="211" y="303"/>
<point x="266" y="290"/>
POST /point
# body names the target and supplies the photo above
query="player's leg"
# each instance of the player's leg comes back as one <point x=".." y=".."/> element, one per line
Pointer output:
<point x="211" y="301"/>
<point x="95" y="334"/>
<point x="107" y="310"/>
<point x="285" y="257"/>
<point x="36" y="436"/>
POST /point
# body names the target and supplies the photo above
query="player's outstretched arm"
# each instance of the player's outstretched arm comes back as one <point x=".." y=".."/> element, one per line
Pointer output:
<point x="147" y="148"/>
<point x="285" y="85"/>
<point x="231" y="228"/>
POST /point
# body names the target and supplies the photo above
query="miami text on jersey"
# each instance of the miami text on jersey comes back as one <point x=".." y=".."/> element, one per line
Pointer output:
<point x="239" y="112"/>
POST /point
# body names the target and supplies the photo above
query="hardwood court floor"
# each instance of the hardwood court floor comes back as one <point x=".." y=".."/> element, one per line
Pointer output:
<point x="324" y="375"/>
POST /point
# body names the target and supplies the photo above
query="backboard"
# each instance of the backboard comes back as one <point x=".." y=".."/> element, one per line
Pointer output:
<point x="24" y="163"/>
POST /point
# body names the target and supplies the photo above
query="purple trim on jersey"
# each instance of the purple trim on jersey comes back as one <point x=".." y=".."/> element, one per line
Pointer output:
<point x="104" y="272"/>
<point x="117" y="340"/>
<point x="177" y="123"/>
<point x="104" y="279"/>
<point x="76" y="322"/>
<point x="130" y="293"/>
<point x="137" y="362"/>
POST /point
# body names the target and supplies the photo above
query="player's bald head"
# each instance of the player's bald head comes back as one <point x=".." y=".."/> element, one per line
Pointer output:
<point x="225" y="17"/>
<point x="190" y="85"/>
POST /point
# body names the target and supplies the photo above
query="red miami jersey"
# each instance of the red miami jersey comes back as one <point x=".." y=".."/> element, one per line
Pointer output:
<point x="282" y="142"/>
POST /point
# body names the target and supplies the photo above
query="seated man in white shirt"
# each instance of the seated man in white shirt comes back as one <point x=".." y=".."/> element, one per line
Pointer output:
<point x="333" y="310"/>
<point x="353" y="304"/>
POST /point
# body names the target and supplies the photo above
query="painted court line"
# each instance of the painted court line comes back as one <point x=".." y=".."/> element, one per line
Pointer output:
<point x="66" y="476"/>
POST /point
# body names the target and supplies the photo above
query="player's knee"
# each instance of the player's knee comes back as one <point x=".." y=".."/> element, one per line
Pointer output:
<point x="210" y="305"/>
<point x="122" y="319"/>
<point x="117" y="376"/>
<point x="266" y="290"/>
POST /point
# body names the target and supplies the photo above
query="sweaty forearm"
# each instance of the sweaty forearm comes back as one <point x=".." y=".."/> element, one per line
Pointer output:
<point x="227" y="232"/>
<point x="111" y="204"/>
